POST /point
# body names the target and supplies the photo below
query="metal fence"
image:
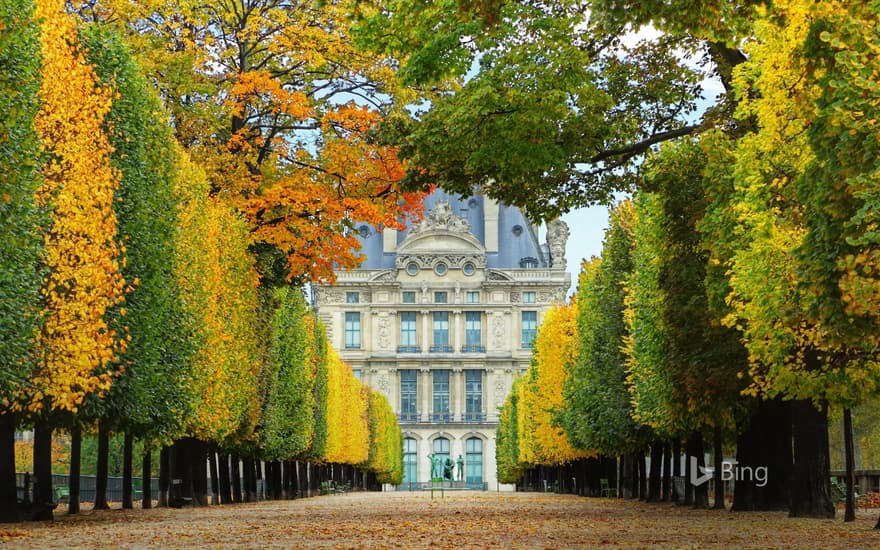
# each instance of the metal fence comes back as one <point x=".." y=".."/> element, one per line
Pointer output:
<point x="25" y="484"/>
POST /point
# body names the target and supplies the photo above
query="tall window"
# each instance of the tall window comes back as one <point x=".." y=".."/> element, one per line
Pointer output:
<point x="410" y="460"/>
<point x="529" y="327"/>
<point x="408" y="395"/>
<point x="408" y="341"/>
<point x="408" y="297"/>
<point x="441" y="395"/>
<point x="441" y="332"/>
<point x="352" y="330"/>
<point x="352" y="298"/>
<point x="473" y="460"/>
<point x="441" y="450"/>
<point x="473" y="395"/>
<point x="473" y="333"/>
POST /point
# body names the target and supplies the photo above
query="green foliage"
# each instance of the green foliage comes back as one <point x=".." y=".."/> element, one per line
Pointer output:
<point x="598" y="415"/>
<point x="507" y="441"/>
<point x="288" y="417"/>
<point x="149" y="399"/>
<point x="319" y="439"/>
<point x="386" y="441"/>
<point x="683" y="359"/>
<point x="556" y="111"/>
<point x="20" y="218"/>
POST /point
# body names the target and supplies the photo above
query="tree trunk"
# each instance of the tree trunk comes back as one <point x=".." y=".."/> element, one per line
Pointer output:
<point x="287" y="479"/>
<point x="147" y="478"/>
<point x="676" y="466"/>
<point x="102" y="467"/>
<point x="8" y="489"/>
<point x="688" y="473"/>
<point x="811" y="488"/>
<point x="695" y="463"/>
<point x="73" y="480"/>
<point x="764" y="460"/>
<point x="164" y="475"/>
<point x="225" y="482"/>
<point x="198" y="462"/>
<point x="235" y="472"/>
<point x="718" y="459"/>
<point x="43" y="494"/>
<point x="247" y="488"/>
<point x="666" y="495"/>
<point x="127" y="478"/>
<point x="655" y="481"/>
<point x="850" y="513"/>
<point x="215" y="476"/>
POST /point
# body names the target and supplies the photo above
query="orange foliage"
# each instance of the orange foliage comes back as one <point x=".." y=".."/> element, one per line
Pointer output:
<point x="84" y="279"/>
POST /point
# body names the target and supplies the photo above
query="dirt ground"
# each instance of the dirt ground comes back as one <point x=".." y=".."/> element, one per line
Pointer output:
<point x="459" y="520"/>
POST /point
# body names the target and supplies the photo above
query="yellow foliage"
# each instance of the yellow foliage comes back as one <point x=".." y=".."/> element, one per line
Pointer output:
<point x="84" y="279"/>
<point x="218" y="282"/>
<point x="555" y="348"/>
<point x="348" y="429"/>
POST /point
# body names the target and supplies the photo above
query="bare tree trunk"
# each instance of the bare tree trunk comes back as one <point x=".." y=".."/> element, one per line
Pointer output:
<point x="850" y="513"/>
<point x="718" y="459"/>
<point x="164" y="475"/>
<point x="102" y="467"/>
<point x="73" y="496"/>
<point x="127" y="477"/>
<point x="8" y="489"/>
<point x="811" y="487"/>
<point x="147" y="478"/>
<point x="43" y="494"/>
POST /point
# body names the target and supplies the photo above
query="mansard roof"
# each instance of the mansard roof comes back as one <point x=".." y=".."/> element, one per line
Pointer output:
<point x="458" y="223"/>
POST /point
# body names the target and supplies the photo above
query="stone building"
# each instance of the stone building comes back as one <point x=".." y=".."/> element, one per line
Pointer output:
<point x="440" y="318"/>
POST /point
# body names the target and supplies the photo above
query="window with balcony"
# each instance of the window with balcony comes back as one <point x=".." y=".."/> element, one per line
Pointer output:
<point x="408" y="396"/>
<point x="473" y="332"/>
<point x="441" y="396"/>
<point x="441" y="333"/>
<point x="473" y="396"/>
<point x="529" y="328"/>
<point x="352" y="330"/>
<point x="408" y="334"/>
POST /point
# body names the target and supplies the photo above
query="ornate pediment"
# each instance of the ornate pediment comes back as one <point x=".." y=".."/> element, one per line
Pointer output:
<point x="441" y="218"/>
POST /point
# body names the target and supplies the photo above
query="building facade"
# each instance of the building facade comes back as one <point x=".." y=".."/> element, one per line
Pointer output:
<point x="440" y="318"/>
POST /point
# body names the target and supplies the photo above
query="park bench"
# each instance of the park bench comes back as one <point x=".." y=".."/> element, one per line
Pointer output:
<point x="330" y="487"/>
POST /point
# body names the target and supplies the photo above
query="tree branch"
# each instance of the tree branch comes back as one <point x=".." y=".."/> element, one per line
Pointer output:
<point x="642" y="146"/>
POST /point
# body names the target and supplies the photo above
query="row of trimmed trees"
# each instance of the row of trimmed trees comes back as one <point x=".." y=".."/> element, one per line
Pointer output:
<point x="132" y="298"/>
<point x="735" y="299"/>
<point x="690" y="331"/>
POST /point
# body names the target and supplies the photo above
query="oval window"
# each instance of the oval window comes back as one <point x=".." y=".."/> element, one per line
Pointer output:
<point x="440" y="269"/>
<point x="412" y="269"/>
<point x="468" y="268"/>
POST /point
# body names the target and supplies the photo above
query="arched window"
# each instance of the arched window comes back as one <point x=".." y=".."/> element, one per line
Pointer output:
<point x="410" y="460"/>
<point x="474" y="460"/>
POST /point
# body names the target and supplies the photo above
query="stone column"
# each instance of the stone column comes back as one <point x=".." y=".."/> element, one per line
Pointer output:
<point x="457" y="391"/>
<point x="456" y="335"/>
<point x="425" y="400"/>
<point x="425" y="314"/>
